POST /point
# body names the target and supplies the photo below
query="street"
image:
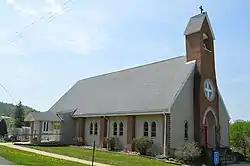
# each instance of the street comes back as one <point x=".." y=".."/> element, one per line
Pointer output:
<point x="5" y="162"/>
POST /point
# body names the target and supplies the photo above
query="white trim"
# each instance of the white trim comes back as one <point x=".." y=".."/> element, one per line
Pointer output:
<point x="89" y="127"/>
<point x="206" y="112"/>
<point x="165" y="135"/>
<point x="122" y="114"/>
<point x="155" y="129"/>
<point x="209" y="81"/>
<point x="181" y="87"/>
<point x="45" y="126"/>
<point x="144" y="128"/>
<point x="120" y="122"/>
<point x="190" y="62"/>
<point x="209" y="24"/>
<point x="96" y="129"/>
<point x="113" y="128"/>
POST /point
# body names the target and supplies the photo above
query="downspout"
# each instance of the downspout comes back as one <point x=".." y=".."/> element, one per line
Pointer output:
<point x="165" y="134"/>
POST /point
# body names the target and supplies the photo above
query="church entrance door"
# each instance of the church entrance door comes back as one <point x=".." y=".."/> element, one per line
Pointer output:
<point x="210" y="123"/>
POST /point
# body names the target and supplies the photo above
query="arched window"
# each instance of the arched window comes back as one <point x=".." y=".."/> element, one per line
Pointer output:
<point x="115" y="129"/>
<point x="145" y="129"/>
<point x="186" y="131"/>
<point x="91" y="129"/>
<point x="96" y="129"/>
<point x="153" y="129"/>
<point x="207" y="44"/>
<point x="121" y="129"/>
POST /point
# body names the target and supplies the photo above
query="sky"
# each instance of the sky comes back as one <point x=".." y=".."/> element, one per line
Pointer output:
<point x="46" y="46"/>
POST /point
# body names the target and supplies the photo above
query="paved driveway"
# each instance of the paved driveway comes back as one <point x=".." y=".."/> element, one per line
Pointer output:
<point x="5" y="162"/>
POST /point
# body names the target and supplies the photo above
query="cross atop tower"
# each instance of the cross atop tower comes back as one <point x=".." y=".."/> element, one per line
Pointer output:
<point x="201" y="9"/>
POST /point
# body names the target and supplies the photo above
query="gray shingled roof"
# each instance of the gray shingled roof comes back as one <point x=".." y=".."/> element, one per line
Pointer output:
<point x="147" y="88"/>
<point x="42" y="116"/>
<point x="195" y="23"/>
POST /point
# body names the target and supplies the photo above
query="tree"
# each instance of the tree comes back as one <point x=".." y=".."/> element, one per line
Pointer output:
<point x="19" y="115"/>
<point x="240" y="135"/>
<point x="3" y="128"/>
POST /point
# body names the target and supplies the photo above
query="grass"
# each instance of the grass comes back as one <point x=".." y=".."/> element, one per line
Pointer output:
<point x="102" y="157"/>
<point x="26" y="158"/>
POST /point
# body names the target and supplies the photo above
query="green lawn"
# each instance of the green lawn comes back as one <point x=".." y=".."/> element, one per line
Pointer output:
<point x="26" y="158"/>
<point x="102" y="157"/>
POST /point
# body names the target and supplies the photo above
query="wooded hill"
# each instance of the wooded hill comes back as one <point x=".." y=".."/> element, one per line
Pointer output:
<point x="7" y="109"/>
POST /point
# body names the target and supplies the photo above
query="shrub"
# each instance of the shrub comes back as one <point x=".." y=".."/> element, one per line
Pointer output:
<point x="188" y="152"/>
<point x="142" y="145"/>
<point x="6" y="139"/>
<point x="79" y="141"/>
<point x="112" y="143"/>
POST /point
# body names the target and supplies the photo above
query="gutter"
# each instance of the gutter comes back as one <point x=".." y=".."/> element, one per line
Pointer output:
<point x="121" y="114"/>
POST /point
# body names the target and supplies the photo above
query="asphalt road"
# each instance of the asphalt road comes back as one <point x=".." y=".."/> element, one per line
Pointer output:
<point x="5" y="162"/>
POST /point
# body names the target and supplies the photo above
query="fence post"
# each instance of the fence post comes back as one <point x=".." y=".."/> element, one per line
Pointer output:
<point x="93" y="155"/>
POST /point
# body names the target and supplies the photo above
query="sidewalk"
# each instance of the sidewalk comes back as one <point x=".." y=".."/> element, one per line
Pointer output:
<point x="58" y="156"/>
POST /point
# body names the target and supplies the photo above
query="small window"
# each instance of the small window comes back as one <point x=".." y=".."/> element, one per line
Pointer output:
<point x="121" y="129"/>
<point x="115" y="129"/>
<point x="96" y="129"/>
<point x="153" y="129"/>
<point x="186" y="131"/>
<point x="91" y="129"/>
<point x="45" y="126"/>
<point x="145" y="129"/>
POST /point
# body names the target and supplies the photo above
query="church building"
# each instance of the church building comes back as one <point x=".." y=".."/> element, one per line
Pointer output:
<point x="170" y="101"/>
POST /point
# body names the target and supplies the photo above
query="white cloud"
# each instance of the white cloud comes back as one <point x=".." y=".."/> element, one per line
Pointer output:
<point x="31" y="7"/>
<point x="78" y="40"/>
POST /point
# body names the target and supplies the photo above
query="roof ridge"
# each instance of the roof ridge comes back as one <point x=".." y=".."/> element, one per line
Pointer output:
<point x="131" y="68"/>
<point x="198" y="15"/>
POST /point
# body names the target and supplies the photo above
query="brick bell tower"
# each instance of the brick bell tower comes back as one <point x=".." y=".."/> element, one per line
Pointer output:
<point x="200" y="47"/>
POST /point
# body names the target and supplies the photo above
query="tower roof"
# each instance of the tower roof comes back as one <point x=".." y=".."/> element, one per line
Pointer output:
<point x="195" y="24"/>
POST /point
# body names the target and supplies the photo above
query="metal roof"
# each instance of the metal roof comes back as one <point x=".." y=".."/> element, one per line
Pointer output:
<point x="142" y="89"/>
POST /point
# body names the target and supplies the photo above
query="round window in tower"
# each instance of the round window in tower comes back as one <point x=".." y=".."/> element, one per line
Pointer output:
<point x="209" y="89"/>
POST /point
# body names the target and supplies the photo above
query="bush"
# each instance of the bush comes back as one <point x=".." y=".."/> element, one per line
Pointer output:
<point x="188" y="152"/>
<point x="6" y="139"/>
<point x="142" y="145"/>
<point x="112" y="143"/>
<point x="79" y="141"/>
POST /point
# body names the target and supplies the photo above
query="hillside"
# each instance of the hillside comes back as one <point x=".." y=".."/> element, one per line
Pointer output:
<point x="7" y="109"/>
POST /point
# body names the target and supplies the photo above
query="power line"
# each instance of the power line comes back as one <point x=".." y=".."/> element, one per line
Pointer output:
<point x="8" y="93"/>
<point x="49" y="15"/>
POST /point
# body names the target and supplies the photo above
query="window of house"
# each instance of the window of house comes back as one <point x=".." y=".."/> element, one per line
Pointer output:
<point x="115" y="129"/>
<point x="91" y="129"/>
<point x="96" y="129"/>
<point x="45" y="126"/>
<point x="121" y="129"/>
<point x="153" y="129"/>
<point x="145" y="129"/>
<point x="186" y="131"/>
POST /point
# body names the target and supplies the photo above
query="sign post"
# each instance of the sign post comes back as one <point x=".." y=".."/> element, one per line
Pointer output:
<point x="216" y="158"/>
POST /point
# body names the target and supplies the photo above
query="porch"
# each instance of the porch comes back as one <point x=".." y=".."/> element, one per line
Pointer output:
<point x="44" y="127"/>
